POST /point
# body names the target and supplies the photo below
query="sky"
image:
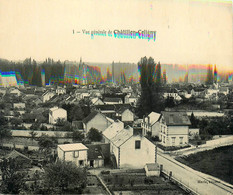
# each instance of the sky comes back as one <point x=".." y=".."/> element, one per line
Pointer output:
<point x="187" y="31"/>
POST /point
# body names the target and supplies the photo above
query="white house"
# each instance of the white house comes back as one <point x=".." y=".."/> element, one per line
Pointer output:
<point x="151" y="124"/>
<point x="19" y="105"/>
<point x="96" y="120"/>
<point x="174" y="128"/>
<point x="60" y="91"/>
<point x="131" y="99"/>
<point x="76" y="153"/>
<point x="174" y="95"/>
<point x="56" y="113"/>
<point x="132" y="151"/>
<point x="47" y="96"/>
<point x="126" y="114"/>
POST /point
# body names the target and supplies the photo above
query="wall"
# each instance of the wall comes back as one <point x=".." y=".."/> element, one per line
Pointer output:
<point x="127" y="115"/>
<point x="177" y="132"/>
<point x="156" y="129"/>
<point x="69" y="156"/>
<point x="137" y="158"/>
<point x="26" y="133"/>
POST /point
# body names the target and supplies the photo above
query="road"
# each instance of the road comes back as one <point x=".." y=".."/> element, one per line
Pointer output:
<point x="200" y="183"/>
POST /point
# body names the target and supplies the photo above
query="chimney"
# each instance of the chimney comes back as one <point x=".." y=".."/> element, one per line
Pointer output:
<point x="143" y="118"/>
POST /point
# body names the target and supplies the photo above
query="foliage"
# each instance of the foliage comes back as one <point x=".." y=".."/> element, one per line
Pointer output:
<point x="35" y="126"/>
<point x="77" y="136"/>
<point x="169" y="102"/>
<point x="16" y="121"/>
<point x="45" y="142"/>
<point x="12" y="179"/>
<point x="5" y="134"/>
<point x="151" y="87"/>
<point x="65" y="177"/>
<point x="94" y="135"/>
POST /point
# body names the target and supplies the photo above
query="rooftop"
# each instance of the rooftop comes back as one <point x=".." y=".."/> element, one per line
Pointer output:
<point x="176" y="118"/>
<point x="72" y="147"/>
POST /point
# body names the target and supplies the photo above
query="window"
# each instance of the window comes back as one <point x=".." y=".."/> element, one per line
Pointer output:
<point x="173" y="140"/>
<point x="181" y="140"/>
<point x="137" y="144"/>
<point x="76" y="154"/>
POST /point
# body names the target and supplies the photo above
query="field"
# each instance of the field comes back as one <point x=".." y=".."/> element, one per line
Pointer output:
<point x="138" y="183"/>
<point x="217" y="162"/>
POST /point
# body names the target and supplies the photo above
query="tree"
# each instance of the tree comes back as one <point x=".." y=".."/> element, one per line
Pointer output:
<point x="33" y="135"/>
<point x="12" y="178"/>
<point x="16" y="122"/>
<point x="5" y="134"/>
<point x="193" y="121"/>
<point x="94" y="135"/>
<point x="45" y="142"/>
<point x="65" y="177"/>
<point x="151" y="87"/>
<point x="77" y="136"/>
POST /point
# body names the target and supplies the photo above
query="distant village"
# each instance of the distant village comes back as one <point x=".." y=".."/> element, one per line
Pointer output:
<point x="96" y="126"/>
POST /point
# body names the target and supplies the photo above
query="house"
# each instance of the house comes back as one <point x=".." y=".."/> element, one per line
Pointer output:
<point x="96" y="120"/>
<point x="131" y="150"/>
<point x="174" y="128"/>
<point x="76" y="153"/>
<point x="37" y="101"/>
<point x="97" y="154"/>
<point x="113" y="100"/>
<point x="56" y="113"/>
<point x="22" y="160"/>
<point x="97" y="101"/>
<point x="150" y="124"/>
<point x="131" y="99"/>
<point x="19" y="105"/>
<point x="15" y="92"/>
<point x="224" y="90"/>
<point x="174" y="95"/>
<point x="112" y="130"/>
<point x="198" y="91"/>
<point x="47" y="96"/>
<point x="152" y="169"/>
<point x="126" y="114"/>
<point x="60" y="91"/>
<point x="107" y="109"/>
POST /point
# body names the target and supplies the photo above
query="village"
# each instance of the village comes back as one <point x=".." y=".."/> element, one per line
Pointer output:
<point x="96" y="127"/>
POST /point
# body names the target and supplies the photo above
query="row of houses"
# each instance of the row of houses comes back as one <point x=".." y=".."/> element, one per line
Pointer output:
<point x="125" y="144"/>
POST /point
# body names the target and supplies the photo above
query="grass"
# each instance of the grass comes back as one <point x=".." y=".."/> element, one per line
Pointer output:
<point x="217" y="162"/>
